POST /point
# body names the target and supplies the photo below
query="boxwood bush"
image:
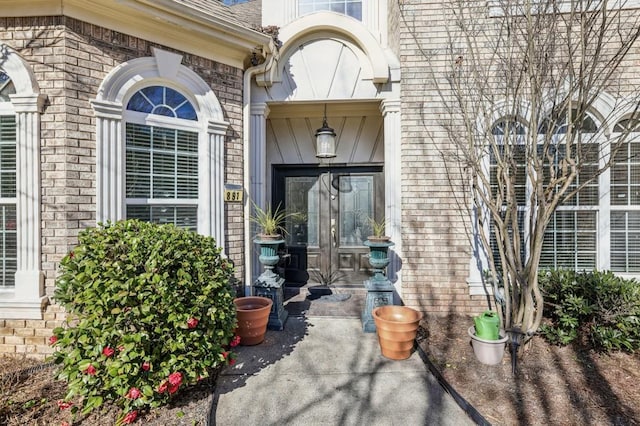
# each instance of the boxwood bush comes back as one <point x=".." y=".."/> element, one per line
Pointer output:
<point x="597" y="307"/>
<point x="150" y="310"/>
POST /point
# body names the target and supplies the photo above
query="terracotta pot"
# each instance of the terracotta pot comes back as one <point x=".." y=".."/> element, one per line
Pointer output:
<point x="396" y="327"/>
<point x="489" y="352"/>
<point x="253" y="315"/>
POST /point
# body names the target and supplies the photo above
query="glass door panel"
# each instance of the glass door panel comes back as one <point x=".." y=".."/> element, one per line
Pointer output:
<point x="356" y="206"/>
<point x="303" y="208"/>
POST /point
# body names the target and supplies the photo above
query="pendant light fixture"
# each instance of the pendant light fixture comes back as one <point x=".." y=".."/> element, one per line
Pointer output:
<point x="325" y="139"/>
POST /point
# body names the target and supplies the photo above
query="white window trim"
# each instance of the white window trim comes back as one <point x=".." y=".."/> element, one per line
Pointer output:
<point x="164" y="69"/>
<point x="27" y="299"/>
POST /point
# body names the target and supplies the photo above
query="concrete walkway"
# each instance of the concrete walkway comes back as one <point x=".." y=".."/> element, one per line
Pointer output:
<point x="326" y="371"/>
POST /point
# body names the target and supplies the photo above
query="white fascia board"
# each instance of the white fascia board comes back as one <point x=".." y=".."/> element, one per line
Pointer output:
<point x="160" y="21"/>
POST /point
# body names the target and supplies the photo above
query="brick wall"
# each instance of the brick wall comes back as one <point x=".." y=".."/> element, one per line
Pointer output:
<point x="70" y="59"/>
<point x="435" y="239"/>
<point x="436" y="247"/>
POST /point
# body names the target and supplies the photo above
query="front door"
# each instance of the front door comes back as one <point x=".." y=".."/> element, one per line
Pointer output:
<point x="329" y="219"/>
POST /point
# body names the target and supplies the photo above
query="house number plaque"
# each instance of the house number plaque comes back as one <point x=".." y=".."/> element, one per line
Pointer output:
<point x="233" y="193"/>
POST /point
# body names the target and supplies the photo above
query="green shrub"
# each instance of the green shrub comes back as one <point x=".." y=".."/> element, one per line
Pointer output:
<point x="598" y="306"/>
<point x="150" y="310"/>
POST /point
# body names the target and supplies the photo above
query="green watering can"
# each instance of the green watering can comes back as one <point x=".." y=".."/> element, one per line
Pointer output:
<point x="488" y="325"/>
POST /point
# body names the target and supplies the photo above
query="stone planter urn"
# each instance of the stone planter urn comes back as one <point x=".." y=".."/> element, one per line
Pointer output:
<point x="379" y="288"/>
<point x="489" y="352"/>
<point x="253" y="315"/>
<point x="269" y="284"/>
<point x="396" y="327"/>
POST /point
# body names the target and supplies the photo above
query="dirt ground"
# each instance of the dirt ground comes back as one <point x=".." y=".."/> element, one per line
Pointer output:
<point x="29" y="396"/>
<point x="553" y="386"/>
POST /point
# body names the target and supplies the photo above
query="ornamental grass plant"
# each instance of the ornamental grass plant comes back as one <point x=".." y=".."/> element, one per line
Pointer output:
<point x="150" y="310"/>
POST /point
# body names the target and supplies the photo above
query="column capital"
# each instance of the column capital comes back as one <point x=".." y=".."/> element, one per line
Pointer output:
<point x="261" y="108"/>
<point x="389" y="105"/>
<point x="28" y="103"/>
<point x="217" y="127"/>
<point x="107" y="109"/>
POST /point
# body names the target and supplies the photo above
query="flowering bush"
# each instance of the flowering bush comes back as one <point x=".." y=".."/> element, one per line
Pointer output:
<point x="150" y="311"/>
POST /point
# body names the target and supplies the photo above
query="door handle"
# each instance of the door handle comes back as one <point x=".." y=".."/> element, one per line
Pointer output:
<point x="334" y="237"/>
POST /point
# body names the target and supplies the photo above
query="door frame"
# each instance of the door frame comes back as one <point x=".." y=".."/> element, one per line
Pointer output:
<point x="281" y="172"/>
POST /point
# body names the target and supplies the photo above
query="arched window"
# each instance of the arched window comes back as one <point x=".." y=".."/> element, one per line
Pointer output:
<point x="351" y="8"/>
<point x="21" y="105"/>
<point x="625" y="200"/>
<point x="161" y="159"/>
<point x="571" y="238"/>
<point x="8" y="242"/>
<point x="160" y="146"/>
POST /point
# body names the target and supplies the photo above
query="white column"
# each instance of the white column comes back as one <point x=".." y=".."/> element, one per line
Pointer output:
<point x="390" y="109"/>
<point x="258" y="173"/>
<point x="110" y="162"/>
<point x="211" y="178"/>
<point x="28" y="299"/>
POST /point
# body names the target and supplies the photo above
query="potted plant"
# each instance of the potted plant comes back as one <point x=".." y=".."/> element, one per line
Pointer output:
<point x="269" y="284"/>
<point x="379" y="288"/>
<point x="378" y="230"/>
<point x="270" y="222"/>
<point x="378" y="244"/>
<point x="270" y="233"/>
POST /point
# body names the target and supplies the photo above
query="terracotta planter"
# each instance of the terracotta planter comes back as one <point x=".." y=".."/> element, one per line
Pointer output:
<point x="397" y="327"/>
<point x="489" y="352"/>
<point x="253" y="315"/>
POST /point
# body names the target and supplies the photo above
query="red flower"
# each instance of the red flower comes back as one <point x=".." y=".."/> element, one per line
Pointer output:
<point x="175" y="378"/>
<point x="225" y="355"/>
<point x="192" y="322"/>
<point x="53" y="339"/>
<point x="235" y="341"/>
<point x="91" y="370"/>
<point x="232" y="361"/>
<point x="107" y="351"/>
<point x="130" y="417"/>
<point x="71" y="255"/>
<point x="146" y="366"/>
<point x="173" y="388"/>
<point x="134" y="393"/>
<point x="63" y="405"/>
<point x="163" y="387"/>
